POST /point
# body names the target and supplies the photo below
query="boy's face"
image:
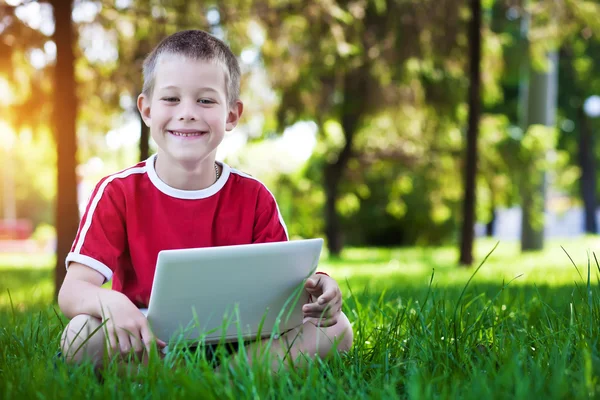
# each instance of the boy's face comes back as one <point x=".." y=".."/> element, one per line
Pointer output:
<point x="188" y="112"/>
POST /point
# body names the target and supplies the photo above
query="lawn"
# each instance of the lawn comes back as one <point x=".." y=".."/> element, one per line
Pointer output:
<point x="525" y="326"/>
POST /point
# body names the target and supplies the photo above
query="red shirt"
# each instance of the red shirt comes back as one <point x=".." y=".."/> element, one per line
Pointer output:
<point x="133" y="215"/>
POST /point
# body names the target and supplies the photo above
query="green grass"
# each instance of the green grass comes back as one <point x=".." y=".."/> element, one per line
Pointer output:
<point x="420" y="332"/>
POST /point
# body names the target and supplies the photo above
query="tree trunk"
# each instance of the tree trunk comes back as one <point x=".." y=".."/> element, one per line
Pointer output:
<point x="541" y="109"/>
<point x="64" y="116"/>
<point x="490" y="226"/>
<point x="355" y="94"/>
<point x="333" y="174"/>
<point x="587" y="163"/>
<point x="470" y="171"/>
<point x="144" y="141"/>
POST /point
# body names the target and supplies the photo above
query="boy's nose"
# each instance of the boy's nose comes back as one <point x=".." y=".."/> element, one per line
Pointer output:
<point x="187" y="112"/>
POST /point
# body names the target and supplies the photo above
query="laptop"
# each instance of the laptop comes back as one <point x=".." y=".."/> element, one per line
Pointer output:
<point x="224" y="294"/>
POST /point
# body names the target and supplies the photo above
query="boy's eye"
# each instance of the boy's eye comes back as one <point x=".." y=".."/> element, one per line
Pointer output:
<point x="205" y="101"/>
<point x="170" y="99"/>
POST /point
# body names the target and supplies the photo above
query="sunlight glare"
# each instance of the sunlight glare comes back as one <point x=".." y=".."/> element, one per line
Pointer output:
<point x="50" y="49"/>
<point x="299" y="140"/>
<point x="7" y="95"/>
<point x="38" y="16"/>
<point x="121" y="4"/>
<point x="256" y="33"/>
<point x="213" y="17"/>
<point x="7" y="136"/>
<point x="99" y="45"/>
<point x="127" y="135"/>
<point x="37" y="58"/>
<point x="85" y="11"/>
<point x="249" y="56"/>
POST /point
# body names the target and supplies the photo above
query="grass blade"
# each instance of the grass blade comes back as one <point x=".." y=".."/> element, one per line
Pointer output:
<point x="463" y="293"/>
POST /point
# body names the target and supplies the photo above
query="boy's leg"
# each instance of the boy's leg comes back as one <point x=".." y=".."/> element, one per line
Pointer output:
<point x="76" y="333"/>
<point x="306" y="341"/>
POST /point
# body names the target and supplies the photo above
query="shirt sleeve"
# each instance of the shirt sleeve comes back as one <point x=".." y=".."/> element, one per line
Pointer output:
<point x="268" y="222"/>
<point x="101" y="241"/>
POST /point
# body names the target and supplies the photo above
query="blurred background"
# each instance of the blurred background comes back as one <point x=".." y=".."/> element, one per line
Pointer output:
<point x="375" y="123"/>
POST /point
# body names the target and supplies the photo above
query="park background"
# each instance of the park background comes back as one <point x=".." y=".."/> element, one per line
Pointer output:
<point x="413" y="136"/>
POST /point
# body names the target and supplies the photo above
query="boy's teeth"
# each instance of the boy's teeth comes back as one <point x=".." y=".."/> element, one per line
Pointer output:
<point x="186" y="134"/>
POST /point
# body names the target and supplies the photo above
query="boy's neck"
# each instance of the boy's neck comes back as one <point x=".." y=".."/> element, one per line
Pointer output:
<point x="183" y="176"/>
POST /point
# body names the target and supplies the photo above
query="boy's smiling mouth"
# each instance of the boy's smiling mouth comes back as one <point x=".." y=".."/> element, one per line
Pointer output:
<point x="187" y="133"/>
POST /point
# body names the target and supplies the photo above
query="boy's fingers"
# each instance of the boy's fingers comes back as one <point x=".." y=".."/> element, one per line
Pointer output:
<point x="327" y="296"/>
<point x="317" y="311"/>
<point x="317" y="307"/>
<point x="312" y="285"/>
<point x="113" y="341"/>
<point x="124" y="342"/>
<point x="313" y="308"/>
<point x="135" y="340"/>
<point x="146" y="337"/>
<point x="330" y="310"/>
<point x="326" y="323"/>
<point x="138" y="345"/>
<point x="310" y="282"/>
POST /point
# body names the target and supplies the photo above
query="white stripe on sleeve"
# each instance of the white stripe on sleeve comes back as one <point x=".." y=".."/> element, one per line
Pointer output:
<point x="92" y="263"/>
<point x="76" y="254"/>
<point x="96" y="200"/>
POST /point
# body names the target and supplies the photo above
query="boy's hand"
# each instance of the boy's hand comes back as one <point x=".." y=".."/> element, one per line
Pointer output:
<point x="126" y="327"/>
<point x="327" y="305"/>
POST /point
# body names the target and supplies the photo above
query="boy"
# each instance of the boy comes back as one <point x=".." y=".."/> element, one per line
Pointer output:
<point x="179" y="198"/>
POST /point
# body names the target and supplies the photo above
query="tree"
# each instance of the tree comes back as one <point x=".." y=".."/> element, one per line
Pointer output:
<point x="579" y="65"/>
<point x="345" y="62"/>
<point x="539" y="100"/>
<point x="541" y="110"/>
<point x="470" y="170"/>
<point x="64" y="116"/>
<point x="587" y="162"/>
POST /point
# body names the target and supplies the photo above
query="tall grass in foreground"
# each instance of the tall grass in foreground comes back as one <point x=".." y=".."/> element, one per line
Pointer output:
<point x="484" y="339"/>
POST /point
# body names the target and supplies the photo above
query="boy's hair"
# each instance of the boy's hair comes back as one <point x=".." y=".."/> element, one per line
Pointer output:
<point x="195" y="45"/>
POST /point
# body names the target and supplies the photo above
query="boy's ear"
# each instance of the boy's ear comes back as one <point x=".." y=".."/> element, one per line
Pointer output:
<point x="233" y="117"/>
<point x="143" y="104"/>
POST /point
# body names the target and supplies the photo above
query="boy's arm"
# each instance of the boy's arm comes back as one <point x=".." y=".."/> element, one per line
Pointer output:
<point x="126" y="327"/>
<point x="81" y="292"/>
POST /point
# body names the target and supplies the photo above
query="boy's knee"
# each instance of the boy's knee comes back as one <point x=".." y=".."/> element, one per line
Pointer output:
<point x="338" y="337"/>
<point x="344" y="333"/>
<point x="77" y="342"/>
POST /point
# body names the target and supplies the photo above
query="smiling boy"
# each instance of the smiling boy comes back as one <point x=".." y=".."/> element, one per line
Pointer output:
<point x="178" y="198"/>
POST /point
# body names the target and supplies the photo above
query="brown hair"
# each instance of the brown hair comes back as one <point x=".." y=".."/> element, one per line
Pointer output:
<point x="196" y="45"/>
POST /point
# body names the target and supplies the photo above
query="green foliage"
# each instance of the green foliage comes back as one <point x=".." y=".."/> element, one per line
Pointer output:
<point x="32" y="173"/>
<point x="404" y="175"/>
<point x="298" y="198"/>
